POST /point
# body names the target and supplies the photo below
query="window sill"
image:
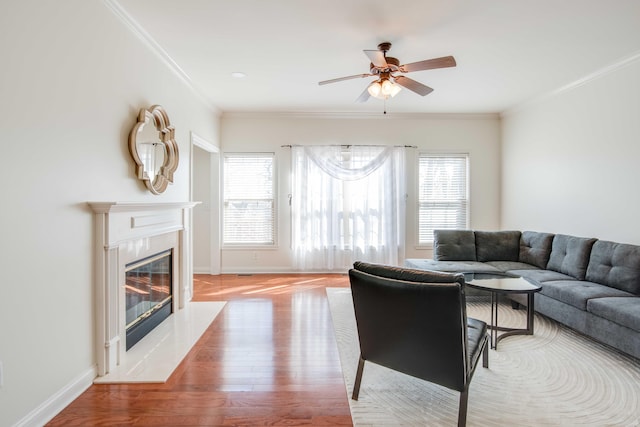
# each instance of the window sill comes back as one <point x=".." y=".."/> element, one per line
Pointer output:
<point x="427" y="247"/>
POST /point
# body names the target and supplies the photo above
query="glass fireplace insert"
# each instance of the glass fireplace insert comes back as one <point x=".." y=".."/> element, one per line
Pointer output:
<point x="147" y="294"/>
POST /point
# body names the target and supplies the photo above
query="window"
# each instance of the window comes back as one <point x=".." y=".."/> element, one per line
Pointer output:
<point x="443" y="199"/>
<point x="249" y="205"/>
<point x="347" y="205"/>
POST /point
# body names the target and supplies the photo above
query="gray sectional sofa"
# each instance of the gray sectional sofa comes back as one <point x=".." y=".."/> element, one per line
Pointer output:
<point x="590" y="285"/>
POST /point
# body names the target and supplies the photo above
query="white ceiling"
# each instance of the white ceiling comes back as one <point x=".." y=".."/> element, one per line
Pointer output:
<point x="507" y="51"/>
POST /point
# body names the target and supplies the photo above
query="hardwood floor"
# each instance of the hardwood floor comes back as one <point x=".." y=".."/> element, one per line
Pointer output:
<point x="268" y="359"/>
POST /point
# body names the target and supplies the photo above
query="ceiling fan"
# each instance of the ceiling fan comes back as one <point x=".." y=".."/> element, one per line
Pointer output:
<point x="386" y="69"/>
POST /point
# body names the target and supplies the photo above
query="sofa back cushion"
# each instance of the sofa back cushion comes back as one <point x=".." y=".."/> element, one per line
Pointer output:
<point x="535" y="248"/>
<point x="454" y="245"/>
<point x="570" y="255"/>
<point x="616" y="265"/>
<point x="497" y="245"/>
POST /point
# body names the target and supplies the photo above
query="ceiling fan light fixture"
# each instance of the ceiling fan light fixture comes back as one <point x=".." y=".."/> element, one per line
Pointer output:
<point x="387" y="86"/>
<point x="389" y="89"/>
<point x="374" y="89"/>
<point x="383" y="89"/>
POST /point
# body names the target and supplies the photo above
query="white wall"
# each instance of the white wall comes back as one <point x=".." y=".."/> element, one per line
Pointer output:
<point x="478" y="135"/>
<point x="571" y="160"/>
<point x="72" y="80"/>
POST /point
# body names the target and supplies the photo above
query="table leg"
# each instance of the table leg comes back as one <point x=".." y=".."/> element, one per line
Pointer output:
<point x="494" y="320"/>
<point x="530" y="313"/>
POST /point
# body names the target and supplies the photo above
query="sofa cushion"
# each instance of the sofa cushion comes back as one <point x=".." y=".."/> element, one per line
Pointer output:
<point x="570" y="255"/>
<point x="497" y="245"/>
<point x="616" y="265"/>
<point x="408" y="274"/>
<point x="511" y="265"/>
<point x="450" y="266"/>
<point x="535" y="248"/>
<point x="624" y="311"/>
<point x="540" y="276"/>
<point x="454" y="245"/>
<point x="578" y="292"/>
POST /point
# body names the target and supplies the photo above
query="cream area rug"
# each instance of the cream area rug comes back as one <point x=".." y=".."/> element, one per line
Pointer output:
<point x="553" y="378"/>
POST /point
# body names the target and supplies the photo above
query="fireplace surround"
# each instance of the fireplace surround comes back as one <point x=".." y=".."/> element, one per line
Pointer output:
<point x="125" y="233"/>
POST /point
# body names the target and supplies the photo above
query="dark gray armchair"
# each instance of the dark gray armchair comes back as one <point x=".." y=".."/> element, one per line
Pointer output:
<point x="415" y="322"/>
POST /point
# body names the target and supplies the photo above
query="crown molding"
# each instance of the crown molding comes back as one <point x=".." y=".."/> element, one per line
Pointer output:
<point x="357" y="115"/>
<point x="119" y="11"/>
<point x="602" y="72"/>
<point x="154" y="47"/>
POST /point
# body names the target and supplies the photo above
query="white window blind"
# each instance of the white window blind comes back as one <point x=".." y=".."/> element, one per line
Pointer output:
<point x="249" y="205"/>
<point x="443" y="198"/>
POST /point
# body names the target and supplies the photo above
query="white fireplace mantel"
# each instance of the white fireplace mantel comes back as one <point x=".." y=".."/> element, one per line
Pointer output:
<point x="126" y="232"/>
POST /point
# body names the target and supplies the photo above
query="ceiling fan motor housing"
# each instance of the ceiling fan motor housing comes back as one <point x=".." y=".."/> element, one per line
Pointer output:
<point x="393" y="64"/>
<point x="384" y="46"/>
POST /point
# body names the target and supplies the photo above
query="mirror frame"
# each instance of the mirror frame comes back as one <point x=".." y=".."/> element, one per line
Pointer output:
<point x="157" y="117"/>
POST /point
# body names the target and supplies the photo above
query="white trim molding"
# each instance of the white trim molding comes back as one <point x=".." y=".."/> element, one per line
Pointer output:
<point x="155" y="47"/>
<point x="628" y="60"/>
<point x="210" y="206"/>
<point x="201" y="142"/>
<point x="60" y="400"/>
<point x="355" y="115"/>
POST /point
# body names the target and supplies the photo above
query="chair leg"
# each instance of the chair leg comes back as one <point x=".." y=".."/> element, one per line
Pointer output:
<point x="356" y="385"/>
<point x="462" y="411"/>
<point x="485" y="356"/>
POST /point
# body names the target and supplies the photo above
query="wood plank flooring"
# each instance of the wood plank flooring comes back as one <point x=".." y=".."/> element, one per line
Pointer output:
<point x="268" y="359"/>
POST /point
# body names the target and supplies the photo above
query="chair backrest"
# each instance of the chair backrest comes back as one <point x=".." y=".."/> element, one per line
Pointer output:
<point x="417" y="326"/>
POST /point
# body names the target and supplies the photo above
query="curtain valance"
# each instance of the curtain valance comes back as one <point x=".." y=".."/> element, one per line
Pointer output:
<point x="347" y="163"/>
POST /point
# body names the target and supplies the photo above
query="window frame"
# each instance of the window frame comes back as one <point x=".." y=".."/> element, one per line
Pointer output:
<point x="274" y="225"/>
<point x="429" y="243"/>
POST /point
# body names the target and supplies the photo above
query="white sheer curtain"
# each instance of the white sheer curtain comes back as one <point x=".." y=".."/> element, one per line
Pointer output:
<point x="347" y="205"/>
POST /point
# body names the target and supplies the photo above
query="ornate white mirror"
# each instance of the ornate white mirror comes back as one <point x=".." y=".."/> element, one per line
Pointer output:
<point x="154" y="149"/>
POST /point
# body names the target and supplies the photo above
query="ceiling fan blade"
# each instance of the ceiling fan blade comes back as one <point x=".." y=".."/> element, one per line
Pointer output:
<point x="429" y="64"/>
<point x="364" y="96"/>
<point x="339" y="79"/>
<point x="413" y="85"/>
<point x="376" y="57"/>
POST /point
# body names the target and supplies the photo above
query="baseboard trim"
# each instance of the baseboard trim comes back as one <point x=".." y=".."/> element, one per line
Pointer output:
<point x="277" y="270"/>
<point x="201" y="270"/>
<point x="60" y="400"/>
